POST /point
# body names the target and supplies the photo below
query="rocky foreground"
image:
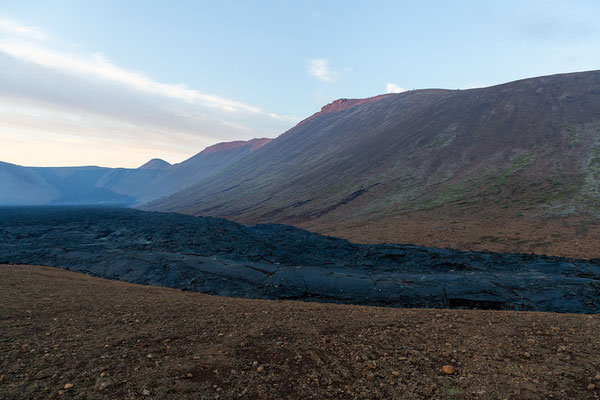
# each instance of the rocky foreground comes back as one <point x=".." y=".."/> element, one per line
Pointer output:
<point x="71" y="336"/>
<point x="216" y="256"/>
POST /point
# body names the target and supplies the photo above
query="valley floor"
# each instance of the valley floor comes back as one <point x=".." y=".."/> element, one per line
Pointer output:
<point x="111" y="339"/>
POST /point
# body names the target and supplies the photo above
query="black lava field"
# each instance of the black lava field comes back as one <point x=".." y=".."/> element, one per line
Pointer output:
<point x="216" y="256"/>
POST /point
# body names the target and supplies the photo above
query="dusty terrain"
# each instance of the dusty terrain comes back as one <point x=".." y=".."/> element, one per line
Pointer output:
<point x="475" y="230"/>
<point x="110" y="339"/>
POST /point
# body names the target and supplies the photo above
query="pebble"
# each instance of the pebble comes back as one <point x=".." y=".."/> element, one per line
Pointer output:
<point x="448" y="369"/>
<point x="260" y="369"/>
<point x="591" y="386"/>
<point x="597" y="377"/>
<point x="371" y="377"/>
<point x="61" y="392"/>
<point x="146" y="392"/>
<point x="189" y="375"/>
<point x="396" y="373"/>
<point x="68" y="386"/>
<point x="149" y="356"/>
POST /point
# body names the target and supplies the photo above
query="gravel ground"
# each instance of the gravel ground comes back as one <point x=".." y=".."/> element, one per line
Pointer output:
<point x="68" y="335"/>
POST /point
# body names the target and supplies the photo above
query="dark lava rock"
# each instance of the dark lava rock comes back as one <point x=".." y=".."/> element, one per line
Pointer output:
<point x="217" y="256"/>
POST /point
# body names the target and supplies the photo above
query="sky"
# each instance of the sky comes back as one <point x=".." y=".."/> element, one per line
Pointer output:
<point x="116" y="83"/>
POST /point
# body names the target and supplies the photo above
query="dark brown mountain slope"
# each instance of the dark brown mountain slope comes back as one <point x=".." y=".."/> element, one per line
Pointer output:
<point x="388" y="169"/>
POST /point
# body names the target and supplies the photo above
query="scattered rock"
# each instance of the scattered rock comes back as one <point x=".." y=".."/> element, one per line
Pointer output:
<point x="591" y="386"/>
<point x="189" y="375"/>
<point x="396" y="373"/>
<point x="260" y="369"/>
<point x="68" y="386"/>
<point x="448" y="369"/>
<point x="371" y="377"/>
<point x="146" y="392"/>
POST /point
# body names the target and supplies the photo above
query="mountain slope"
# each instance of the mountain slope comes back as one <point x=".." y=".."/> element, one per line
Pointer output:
<point x="525" y="149"/>
<point x="20" y="185"/>
<point x="147" y="184"/>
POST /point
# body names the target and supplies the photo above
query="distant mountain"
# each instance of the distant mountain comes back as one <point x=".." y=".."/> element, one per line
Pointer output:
<point x="149" y="184"/>
<point x="389" y="167"/>
<point x="20" y="185"/>
<point x="155" y="163"/>
<point x="96" y="185"/>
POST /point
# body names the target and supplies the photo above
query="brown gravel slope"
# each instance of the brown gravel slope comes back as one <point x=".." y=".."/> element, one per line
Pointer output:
<point x="475" y="229"/>
<point x="111" y="339"/>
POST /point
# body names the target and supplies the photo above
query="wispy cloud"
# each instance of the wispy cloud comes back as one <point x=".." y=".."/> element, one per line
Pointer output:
<point x="98" y="66"/>
<point x="50" y="95"/>
<point x="12" y="27"/>
<point x="393" y="88"/>
<point x="319" y="68"/>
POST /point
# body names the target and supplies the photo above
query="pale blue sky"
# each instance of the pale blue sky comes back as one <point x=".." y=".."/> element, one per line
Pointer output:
<point x="118" y="82"/>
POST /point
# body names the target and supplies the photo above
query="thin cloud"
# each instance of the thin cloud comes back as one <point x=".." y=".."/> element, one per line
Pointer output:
<point x="98" y="66"/>
<point x="393" y="88"/>
<point x="15" y="28"/>
<point x="319" y="68"/>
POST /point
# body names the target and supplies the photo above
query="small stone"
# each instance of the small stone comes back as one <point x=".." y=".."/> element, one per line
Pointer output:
<point x="448" y="369"/>
<point x="61" y="392"/>
<point x="149" y="356"/>
<point x="103" y="374"/>
<point x="146" y="392"/>
<point x="260" y="369"/>
<point x="371" y="377"/>
<point x="68" y="386"/>
<point x="370" y="366"/>
<point x="591" y="386"/>
<point x="527" y="354"/>
<point x="597" y="377"/>
<point x="396" y="373"/>
<point x="189" y="375"/>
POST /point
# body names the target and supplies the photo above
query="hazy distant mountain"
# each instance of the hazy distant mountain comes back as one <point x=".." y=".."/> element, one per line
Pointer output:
<point x="148" y="184"/>
<point x="525" y="148"/>
<point x="20" y="185"/>
<point x="155" y="163"/>
<point x="96" y="185"/>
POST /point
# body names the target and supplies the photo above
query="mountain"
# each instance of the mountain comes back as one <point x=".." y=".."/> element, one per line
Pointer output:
<point x="20" y="185"/>
<point x="96" y="185"/>
<point x="146" y="184"/>
<point x="498" y="168"/>
<point x="155" y="163"/>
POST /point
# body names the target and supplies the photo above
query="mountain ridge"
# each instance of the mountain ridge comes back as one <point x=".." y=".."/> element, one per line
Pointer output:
<point x="527" y="147"/>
